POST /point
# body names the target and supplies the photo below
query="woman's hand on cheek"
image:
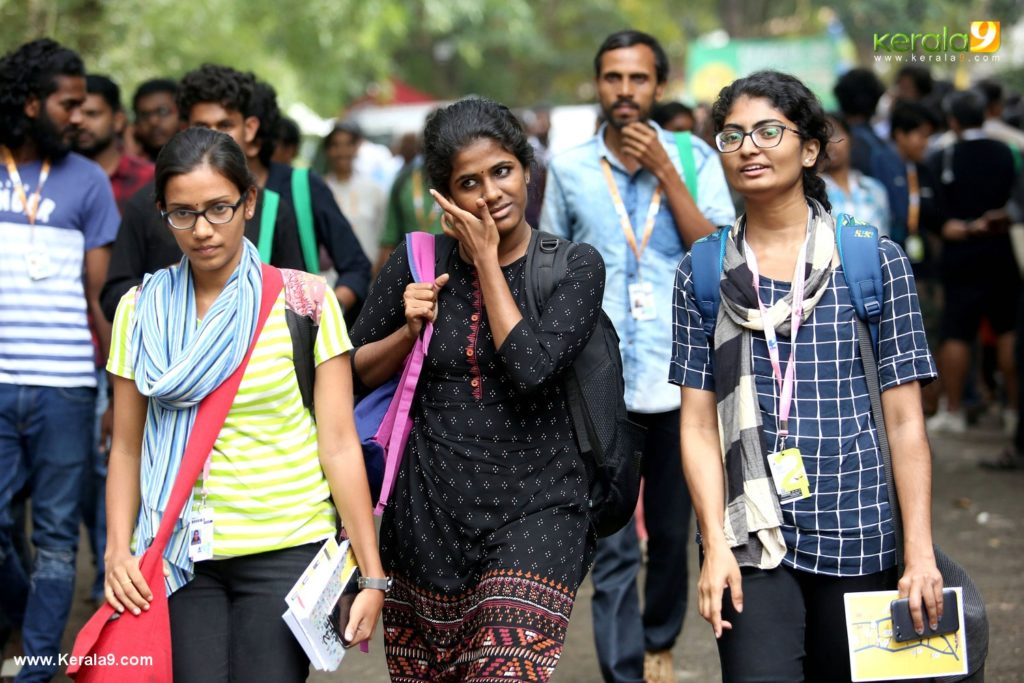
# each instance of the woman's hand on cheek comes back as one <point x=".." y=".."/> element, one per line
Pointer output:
<point x="477" y="236"/>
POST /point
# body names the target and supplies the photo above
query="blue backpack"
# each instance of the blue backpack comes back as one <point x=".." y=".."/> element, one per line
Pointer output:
<point x="858" y="254"/>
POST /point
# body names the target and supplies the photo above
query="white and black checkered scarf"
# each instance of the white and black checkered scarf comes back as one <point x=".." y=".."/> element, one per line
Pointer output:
<point x="752" y="515"/>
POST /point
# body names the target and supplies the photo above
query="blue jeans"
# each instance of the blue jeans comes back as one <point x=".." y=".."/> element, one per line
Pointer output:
<point x="621" y="632"/>
<point x="45" y="441"/>
<point x="94" y="491"/>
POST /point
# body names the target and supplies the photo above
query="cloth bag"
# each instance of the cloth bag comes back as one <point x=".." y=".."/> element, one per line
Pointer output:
<point x="383" y="416"/>
<point x="117" y="647"/>
<point x="975" y="617"/>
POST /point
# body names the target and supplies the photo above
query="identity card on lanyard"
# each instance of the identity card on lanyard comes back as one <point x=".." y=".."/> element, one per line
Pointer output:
<point x="200" y="527"/>
<point x="641" y="293"/>
<point x="37" y="259"/>
<point x="914" y="243"/>
<point x="787" y="464"/>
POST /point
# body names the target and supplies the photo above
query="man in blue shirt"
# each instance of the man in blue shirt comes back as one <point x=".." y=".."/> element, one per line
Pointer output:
<point x="622" y="191"/>
<point x="57" y="220"/>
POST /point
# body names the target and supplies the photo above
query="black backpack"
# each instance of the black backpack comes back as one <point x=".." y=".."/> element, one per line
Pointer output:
<point x="612" y="446"/>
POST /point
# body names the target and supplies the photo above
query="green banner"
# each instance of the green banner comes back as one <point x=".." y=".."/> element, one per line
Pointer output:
<point x="815" y="61"/>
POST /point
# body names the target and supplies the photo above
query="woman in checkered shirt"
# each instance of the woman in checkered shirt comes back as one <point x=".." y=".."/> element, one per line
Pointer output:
<point x="785" y="387"/>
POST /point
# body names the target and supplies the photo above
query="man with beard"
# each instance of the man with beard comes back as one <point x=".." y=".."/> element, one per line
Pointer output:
<point x="156" y="115"/>
<point x="99" y="138"/>
<point x="57" y="218"/>
<point x="622" y="191"/>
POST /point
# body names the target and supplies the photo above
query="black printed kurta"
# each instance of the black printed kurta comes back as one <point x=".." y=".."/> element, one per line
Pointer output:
<point x="487" y="528"/>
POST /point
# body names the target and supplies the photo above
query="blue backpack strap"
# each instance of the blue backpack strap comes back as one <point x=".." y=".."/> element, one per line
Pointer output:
<point x="862" y="267"/>
<point x="706" y="257"/>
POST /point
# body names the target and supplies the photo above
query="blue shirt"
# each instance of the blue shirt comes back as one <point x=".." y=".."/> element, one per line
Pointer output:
<point x="867" y="200"/>
<point x="845" y="527"/>
<point x="44" y="330"/>
<point x="578" y="206"/>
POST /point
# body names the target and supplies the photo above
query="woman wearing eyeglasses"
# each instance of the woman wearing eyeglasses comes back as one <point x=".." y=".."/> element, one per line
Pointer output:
<point x="775" y="568"/>
<point x="272" y="474"/>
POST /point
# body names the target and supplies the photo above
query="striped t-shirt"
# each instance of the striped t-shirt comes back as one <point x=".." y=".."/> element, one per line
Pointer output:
<point x="266" y="486"/>
<point x="44" y="329"/>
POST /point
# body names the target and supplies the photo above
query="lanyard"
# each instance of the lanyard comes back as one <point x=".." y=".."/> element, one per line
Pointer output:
<point x="627" y="224"/>
<point x="914" y="195"/>
<point x="31" y="208"/>
<point x="423" y="218"/>
<point x="787" y="380"/>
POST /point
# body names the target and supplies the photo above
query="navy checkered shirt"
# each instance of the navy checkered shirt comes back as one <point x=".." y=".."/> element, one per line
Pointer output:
<point x="845" y="527"/>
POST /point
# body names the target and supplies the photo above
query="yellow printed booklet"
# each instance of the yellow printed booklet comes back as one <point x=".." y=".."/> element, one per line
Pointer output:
<point x="875" y="655"/>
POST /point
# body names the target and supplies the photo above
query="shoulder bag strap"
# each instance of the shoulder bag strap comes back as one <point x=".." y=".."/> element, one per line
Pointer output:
<point x="209" y="419"/>
<point x="684" y="143"/>
<point x="396" y="426"/>
<point x="867" y="353"/>
<point x="303" y="203"/>
<point x="268" y="224"/>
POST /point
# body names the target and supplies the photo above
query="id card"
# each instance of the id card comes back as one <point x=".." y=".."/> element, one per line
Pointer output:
<point x="641" y="301"/>
<point x="789" y="475"/>
<point x="38" y="261"/>
<point x="915" y="248"/>
<point x="200" y="529"/>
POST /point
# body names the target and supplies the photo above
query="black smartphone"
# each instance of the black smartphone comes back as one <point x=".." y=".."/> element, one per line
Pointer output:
<point x="903" y="625"/>
<point x="338" y="617"/>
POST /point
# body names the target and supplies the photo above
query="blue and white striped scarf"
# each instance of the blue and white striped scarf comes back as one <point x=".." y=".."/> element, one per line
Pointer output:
<point x="178" y="363"/>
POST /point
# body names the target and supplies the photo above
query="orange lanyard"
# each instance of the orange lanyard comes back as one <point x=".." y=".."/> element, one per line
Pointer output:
<point x="31" y="209"/>
<point x="914" y="196"/>
<point x="627" y="224"/>
<point x="424" y="219"/>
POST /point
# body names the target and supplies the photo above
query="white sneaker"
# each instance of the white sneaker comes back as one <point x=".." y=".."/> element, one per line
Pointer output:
<point x="945" y="421"/>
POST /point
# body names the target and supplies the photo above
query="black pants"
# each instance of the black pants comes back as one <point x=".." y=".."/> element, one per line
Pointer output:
<point x="792" y="628"/>
<point x="226" y="623"/>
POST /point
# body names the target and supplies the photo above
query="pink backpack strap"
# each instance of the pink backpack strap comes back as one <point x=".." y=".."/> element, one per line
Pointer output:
<point x="396" y="426"/>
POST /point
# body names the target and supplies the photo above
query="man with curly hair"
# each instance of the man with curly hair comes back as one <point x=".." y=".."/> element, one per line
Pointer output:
<point x="235" y="103"/>
<point x="57" y="219"/>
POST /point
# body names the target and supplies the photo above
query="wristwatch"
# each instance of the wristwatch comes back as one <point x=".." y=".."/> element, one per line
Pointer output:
<point x="383" y="584"/>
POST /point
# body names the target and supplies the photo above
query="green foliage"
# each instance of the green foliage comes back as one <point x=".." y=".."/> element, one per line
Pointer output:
<point x="327" y="52"/>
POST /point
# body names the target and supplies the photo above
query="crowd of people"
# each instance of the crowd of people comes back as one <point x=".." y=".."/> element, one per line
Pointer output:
<point x="141" y="243"/>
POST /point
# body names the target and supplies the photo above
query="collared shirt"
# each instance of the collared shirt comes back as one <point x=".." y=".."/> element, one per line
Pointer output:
<point x="578" y="206"/>
<point x="845" y="527"/>
<point x="867" y="200"/>
<point x="131" y="174"/>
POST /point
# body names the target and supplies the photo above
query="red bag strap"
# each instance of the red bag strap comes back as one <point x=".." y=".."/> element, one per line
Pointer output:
<point x="213" y="410"/>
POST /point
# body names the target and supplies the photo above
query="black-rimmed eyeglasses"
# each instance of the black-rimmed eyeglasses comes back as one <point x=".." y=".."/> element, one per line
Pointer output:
<point x="215" y="214"/>
<point x="764" y="137"/>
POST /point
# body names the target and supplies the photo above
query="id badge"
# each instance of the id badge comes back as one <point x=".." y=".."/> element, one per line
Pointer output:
<point x="38" y="261"/>
<point x="200" y="529"/>
<point x="641" y="301"/>
<point x="789" y="475"/>
<point x="915" y="248"/>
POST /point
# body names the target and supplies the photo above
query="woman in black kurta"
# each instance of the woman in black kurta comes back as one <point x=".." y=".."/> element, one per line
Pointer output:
<point x="487" y="535"/>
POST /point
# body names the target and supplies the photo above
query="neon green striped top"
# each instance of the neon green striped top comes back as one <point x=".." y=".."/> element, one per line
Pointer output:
<point x="266" y="486"/>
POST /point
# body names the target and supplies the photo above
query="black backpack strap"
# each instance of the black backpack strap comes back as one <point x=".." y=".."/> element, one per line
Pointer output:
<point x="303" y="334"/>
<point x="444" y="252"/>
<point x="547" y="262"/>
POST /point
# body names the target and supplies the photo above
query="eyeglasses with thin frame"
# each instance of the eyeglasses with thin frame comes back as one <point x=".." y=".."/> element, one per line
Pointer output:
<point x="215" y="214"/>
<point x="763" y="137"/>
